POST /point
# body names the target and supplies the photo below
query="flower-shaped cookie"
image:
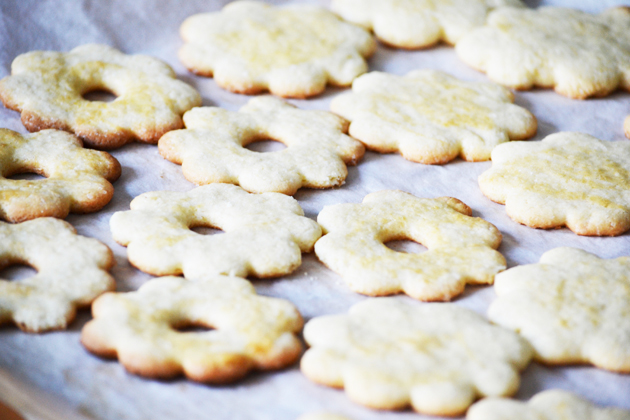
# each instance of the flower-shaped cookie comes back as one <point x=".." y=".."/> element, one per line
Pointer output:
<point x="47" y="87"/>
<point x="264" y="234"/>
<point x="72" y="271"/>
<point x="568" y="179"/>
<point x="292" y="51"/>
<point x="77" y="180"/>
<point x="389" y="353"/>
<point x="212" y="147"/>
<point x="461" y="249"/>
<point x="578" y="54"/>
<point x="554" y="404"/>
<point x="572" y="307"/>
<point x="144" y="329"/>
<point x="431" y="117"/>
<point x="418" y="23"/>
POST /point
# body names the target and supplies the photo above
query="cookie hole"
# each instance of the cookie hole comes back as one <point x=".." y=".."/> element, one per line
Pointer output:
<point x="27" y="176"/>
<point x="192" y="327"/>
<point x="265" y="146"/>
<point x="406" y="246"/>
<point x="207" y="231"/>
<point x="99" y="95"/>
<point x="17" y="271"/>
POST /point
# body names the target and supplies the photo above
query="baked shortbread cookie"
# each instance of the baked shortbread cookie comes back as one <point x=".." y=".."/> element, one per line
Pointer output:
<point x="572" y="307"/>
<point x="47" y="88"/>
<point x="431" y="117"/>
<point x="264" y="234"/>
<point x="292" y="51"/>
<point x="568" y="179"/>
<point x="576" y="53"/>
<point x="212" y="147"/>
<point x="143" y="329"/>
<point x="77" y="180"/>
<point x="72" y="271"/>
<point x="389" y="353"/>
<point x="626" y="126"/>
<point x="418" y="23"/>
<point x="461" y="249"/>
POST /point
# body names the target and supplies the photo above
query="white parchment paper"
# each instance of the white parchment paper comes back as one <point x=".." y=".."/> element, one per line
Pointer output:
<point x="99" y="389"/>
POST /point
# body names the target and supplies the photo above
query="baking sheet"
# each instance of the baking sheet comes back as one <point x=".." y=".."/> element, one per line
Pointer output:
<point x="55" y="363"/>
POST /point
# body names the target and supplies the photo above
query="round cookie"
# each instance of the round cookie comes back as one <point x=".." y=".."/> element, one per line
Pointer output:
<point x="47" y="88"/>
<point x="431" y="117"/>
<point x="77" y="180"/>
<point x="572" y="307"/>
<point x="461" y="249"/>
<point x="292" y="51"/>
<point x="265" y="234"/>
<point x="72" y="271"/>
<point x="578" y="54"/>
<point x="568" y="179"/>
<point x="143" y="329"/>
<point x="212" y="147"/>
<point x="418" y="23"/>
<point x="626" y="126"/>
<point x="389" y="353"/>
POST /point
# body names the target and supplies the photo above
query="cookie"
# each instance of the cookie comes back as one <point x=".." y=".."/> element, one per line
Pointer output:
<point x="554" y="404"/>
<point x="461" y="249"/>
<point x="292" y="51"/>
<point x="572" y="307"/>
<point x="389" y="353"/>
<point x="72" y="271"/>
<point x="431" y="117"/>
<point x="568" y="179"/>
<point x="146" y="330"/>
<point x="626" y="126"/>
<point x="418" y="24"/>
<point x="47" y="88"/>
<point x="576" y="53"/>
<point x="264" y="234"/>
<point x="212" y="147"/>
<point x="77" y="180"/>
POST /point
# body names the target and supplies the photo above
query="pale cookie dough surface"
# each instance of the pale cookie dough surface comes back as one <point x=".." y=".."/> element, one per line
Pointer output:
<point x="389" y="353"/>
<point x="47" y="88"/>
<point x="626" y="126"/>
<point x="418" y="23"/>
<point x="77" y="180"/>
<point x="554" y="404"/>
<point x="572" y="306"/>
<point x="72" y="270"/>
<point x="430" y="116"/>
<point x="292" y="51"/>
<point x="245" y="331"/>
<point x="576" y="53"/>
<point x="264" y="234"/>
<point x="212" y="147"/>
<point x="568" y="179"/>
<point x="461" y="249"/>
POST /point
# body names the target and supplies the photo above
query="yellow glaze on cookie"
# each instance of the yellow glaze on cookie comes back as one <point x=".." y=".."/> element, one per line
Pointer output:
<point x="431" y="117"/>
<point x="72" y="270"/>
<point x="245" y="331"/>
<point x="461" y="249"/>
<point x="389" y="353"/>
<point x="570" y="179"/>
<point x="573" y="307"/>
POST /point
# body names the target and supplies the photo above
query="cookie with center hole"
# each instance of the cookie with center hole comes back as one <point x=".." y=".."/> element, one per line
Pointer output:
<point x="237" y="330"/>
<point x="77" y="180"/>
<point x="212" y="148"/>
<point x="461" y="249"/>
<point x="264" y="235"/>
<point x="47" y="87"/>
<point x="72" y="270"/>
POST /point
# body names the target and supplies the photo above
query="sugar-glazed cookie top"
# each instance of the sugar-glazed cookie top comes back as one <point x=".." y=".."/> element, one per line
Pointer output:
<point x="431" y="117"/>
<point x="568" y="179"/>
<point x="572" y="307"/>
<point x="418" y="23"/>
<point x="292" y="51"/>
<point x="389" y="353"/>
<point x="212" y="147"/>
<point x="578" y="54"/>
<point x="47" y="87"/>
